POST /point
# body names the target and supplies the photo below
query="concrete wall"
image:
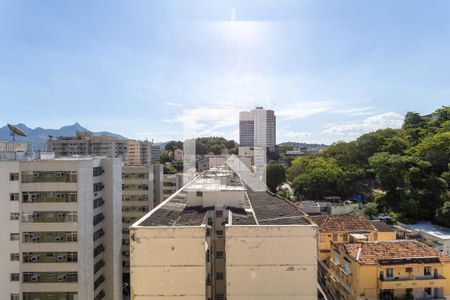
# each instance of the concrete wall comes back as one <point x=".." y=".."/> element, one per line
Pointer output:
<point x="271" y="262"/>
<point x="168" y="263"/>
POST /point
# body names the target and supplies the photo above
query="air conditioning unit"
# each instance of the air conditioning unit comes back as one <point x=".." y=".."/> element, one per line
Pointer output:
<point x="59" y="239"/>
<point x="61" y="258"/>
<point x="34" y="258"/>
<point x="62" y="277"/>
<point x="35" y="277"/>
<point x="35" y="238"/>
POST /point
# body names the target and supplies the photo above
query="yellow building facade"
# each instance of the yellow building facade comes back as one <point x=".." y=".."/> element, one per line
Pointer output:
<point x="402" y="269"/>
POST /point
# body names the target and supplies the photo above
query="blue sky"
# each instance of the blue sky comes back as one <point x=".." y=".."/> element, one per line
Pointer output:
<point x="162" y="70"/>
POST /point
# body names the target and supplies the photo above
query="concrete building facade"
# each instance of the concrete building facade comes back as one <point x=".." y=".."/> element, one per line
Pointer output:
<point x="61" y="231"/>
<point x="216" y="239"/>
<point x="257" y="128"/>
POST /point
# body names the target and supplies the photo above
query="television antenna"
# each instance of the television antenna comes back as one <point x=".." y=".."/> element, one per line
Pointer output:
<point x="13" y="132"/>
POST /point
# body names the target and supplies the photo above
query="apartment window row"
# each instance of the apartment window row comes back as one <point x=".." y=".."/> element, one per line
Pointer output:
<point x="98" y="171"/>
<point x="99" y="281"/>
<point x="98" y="218"/>
<point x="143" y="208"/>
<point x="49" y="257"/>
<point x="49" y="176"/>
<point x="142" y="187"/>
<point x="126" y="242"/>
<point x="99" y="186"/>
<point x="50" y="237"/>
<point x="49" y="296"/>
<point x="170" y="184"/>
<point x="14" y="216"/>
<point x="125" y="230"/>
<point x="125" y="263"/>
<point x="134" y="175"/>
<point x="50" y="277"/>
<point x="31" y="197"/>
<point x="134" y="198"/>
<point x="49" y="217"/>
<point x="98" y="265"/>
<point x="98" y="250"/>
<point x="14" y="197"/>
<point x="14" y="256"/>
<point x="13" y="176"/>
<point x="98" y="202"/>
<point x="129" y="220"/>
<point x="98" y="234"/>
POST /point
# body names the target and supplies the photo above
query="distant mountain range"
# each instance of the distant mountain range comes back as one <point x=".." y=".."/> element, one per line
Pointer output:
<point x="38" y="136"/>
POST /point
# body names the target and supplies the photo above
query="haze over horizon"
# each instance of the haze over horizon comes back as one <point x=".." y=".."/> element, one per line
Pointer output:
<point x="155" y="69"/>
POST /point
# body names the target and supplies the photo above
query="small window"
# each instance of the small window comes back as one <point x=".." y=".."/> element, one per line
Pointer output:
<point x="428" y="291"/>
<point x="389" y="272"/>
<point x="15" y="296"/>
<point x="408" y="270"/>
<point x="335" y="237"/>
<point x="14" y="236"/>
<point x="219" y="254"/>
<point x="13" y="176"/>
<point x="427" y="271"/>
<point x="14" y="256"/>
<point x="14" y="197"/>
<point x="219" y="213"/>
<point x="14" y="216"/>
<point x="15" y="276"/>
<point x="219" y="276"/>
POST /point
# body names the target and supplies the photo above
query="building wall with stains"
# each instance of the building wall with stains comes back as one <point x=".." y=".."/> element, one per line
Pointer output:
<point x="272" y="261"/>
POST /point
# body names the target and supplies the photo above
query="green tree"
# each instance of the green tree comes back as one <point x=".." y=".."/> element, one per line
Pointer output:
<point x="443" y="214"/>
<point x="275" y="175"/>
<point x="165" y="157"/>
<point x="436" y="150"/>
<point x="371" y="210"/>
<point x="169" y="170"/>
<point x="172" y="145"/>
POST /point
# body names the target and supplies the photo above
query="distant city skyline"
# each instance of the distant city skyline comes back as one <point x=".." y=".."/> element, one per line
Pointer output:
<point x="330" y="70"/>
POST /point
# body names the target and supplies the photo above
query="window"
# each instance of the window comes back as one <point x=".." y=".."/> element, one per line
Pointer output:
<point x="15" y="297"/>
<point x="427" y="271"/>
<point x="322" y="238"/>
<point x="14" y="236"/>
<point x="199" y="194"/>
<point x="428" y="291"/>
<point x="14" y="197"/>
<point x="335" y="237"/>
<point x="14" y="216"/>
<point x="14" y="276"/>
<point x="13" y="176"/>
<point x="219" y="214"/>
<point x="408" y="270"/>
<point x="389" y="272"/>
<point x="219" y="254"/>
<point x="219" y="233"/>
<point x="219" y="276"/>
<point x="14" y="256"/>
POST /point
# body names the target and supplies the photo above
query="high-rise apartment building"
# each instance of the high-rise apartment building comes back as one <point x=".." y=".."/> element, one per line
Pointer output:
<point x="84" y="143"/>
<point x="137" y="200"/>
<point x="216" y="239"/>
<point x="142" y="153"/>
<point x="257" y="128"/>
<point x="61" y="229"/>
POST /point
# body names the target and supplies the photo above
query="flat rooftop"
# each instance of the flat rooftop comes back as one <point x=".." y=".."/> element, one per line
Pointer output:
<point x="436" y="230"/>
<point x="261" y="208"/>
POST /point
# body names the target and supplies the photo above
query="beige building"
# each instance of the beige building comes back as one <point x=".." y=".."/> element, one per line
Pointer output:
<point x="85" y="143"/>
<point x="61" y="231"/>
<point x="142" y="153"/>
<point x="178" y="154"/>
<point x="137" y="200"/>
<point x="215" y="239"/>
<point x="171" y="184"/>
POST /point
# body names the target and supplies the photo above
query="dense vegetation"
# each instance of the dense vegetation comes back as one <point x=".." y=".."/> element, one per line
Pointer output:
<point x="404" y="171"/>
<point x="206" y="145"/>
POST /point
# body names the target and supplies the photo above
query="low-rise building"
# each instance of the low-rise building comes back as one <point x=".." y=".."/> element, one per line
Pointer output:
<point x="178" y="154"/>
<point x="344" y="229"/>
<point x="434" y="235"/>
<point x="402" y="269"/>
<point x="216" y="239"/>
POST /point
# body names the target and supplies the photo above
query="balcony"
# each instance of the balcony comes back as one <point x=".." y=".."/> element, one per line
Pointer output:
<point x="411" y="282"/>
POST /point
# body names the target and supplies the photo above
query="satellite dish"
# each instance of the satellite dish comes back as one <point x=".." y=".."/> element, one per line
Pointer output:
<point x="16" y="131"/>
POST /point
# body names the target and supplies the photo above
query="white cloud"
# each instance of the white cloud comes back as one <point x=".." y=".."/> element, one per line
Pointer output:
<point x="297" y="134"/>
<point x="174" y="104"/>
<point x="301" y="110"/>
<point x="372" y="123"/>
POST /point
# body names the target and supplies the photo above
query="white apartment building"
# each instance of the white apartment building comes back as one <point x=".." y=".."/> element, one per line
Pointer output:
<point x="257" y="128"/>
<point x="171" y="184"/>
<point x="61" y="229"/>
<point x="215" y="239"/>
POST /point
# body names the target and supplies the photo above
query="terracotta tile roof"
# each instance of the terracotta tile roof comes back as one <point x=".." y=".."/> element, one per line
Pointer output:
<point x="343" y="223"/>
<point x="393" y="252"/>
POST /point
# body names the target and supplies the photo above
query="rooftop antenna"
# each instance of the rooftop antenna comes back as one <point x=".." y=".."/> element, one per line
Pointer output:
<point x="15" y="131"/>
